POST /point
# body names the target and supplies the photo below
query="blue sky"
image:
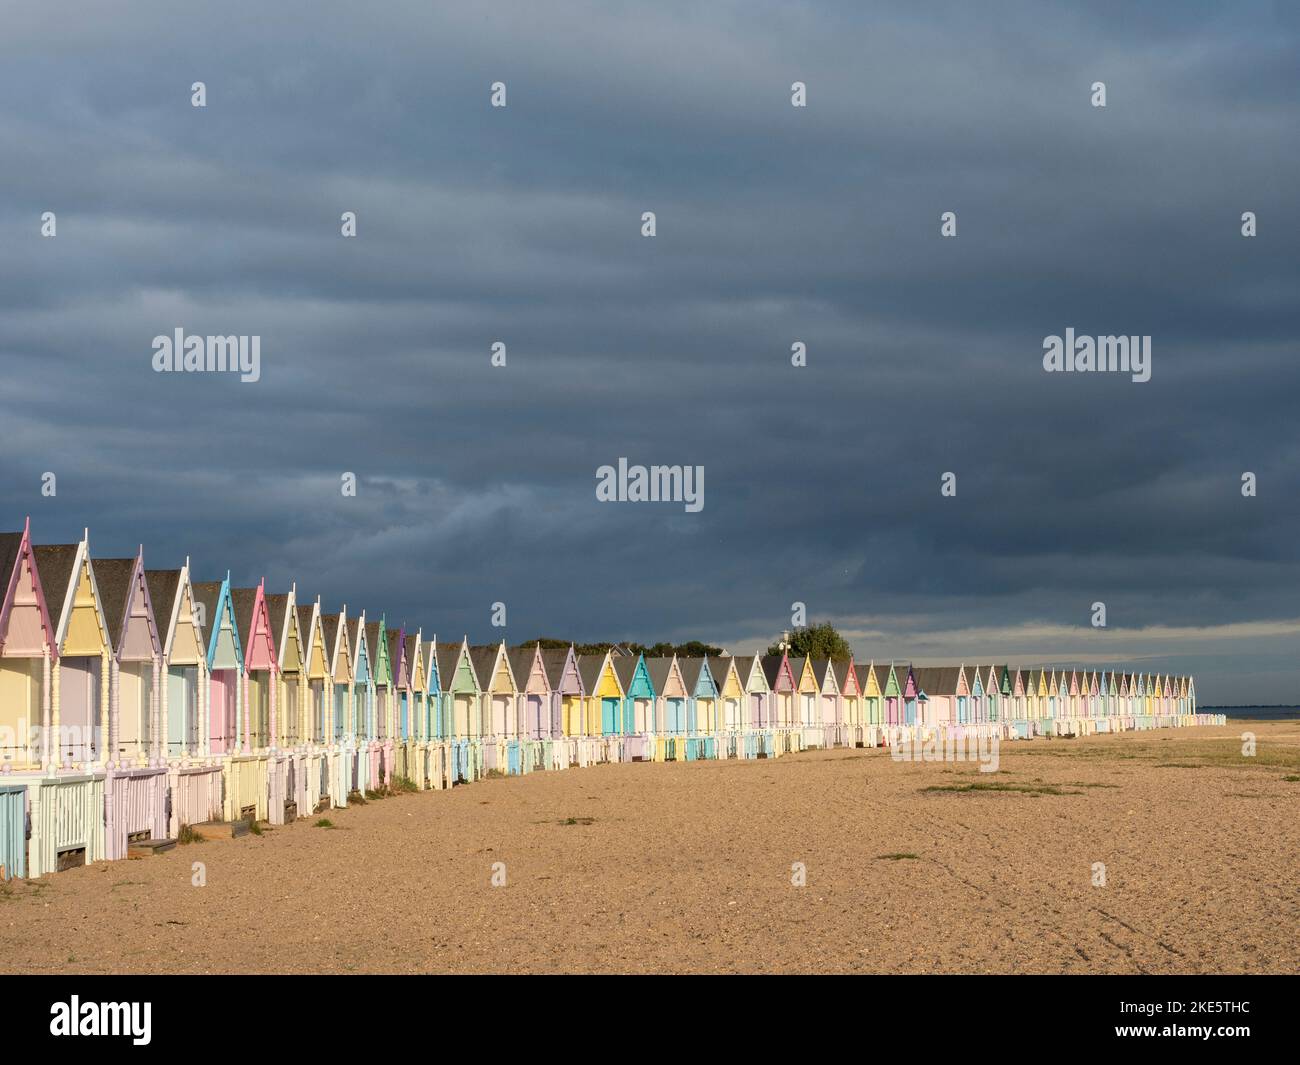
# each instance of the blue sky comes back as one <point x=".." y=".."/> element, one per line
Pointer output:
<point x="775" y="224"/>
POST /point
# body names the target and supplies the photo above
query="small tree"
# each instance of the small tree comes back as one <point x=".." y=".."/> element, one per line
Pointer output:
<point x="816" y="641"/>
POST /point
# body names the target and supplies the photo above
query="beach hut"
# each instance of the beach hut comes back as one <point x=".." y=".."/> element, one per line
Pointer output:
<point x="874" y="679"/>
<point x="671" y="710"/>
<point x="974" y="712"/>
<point x="63" y="805"/>
<point x="781" y="682"/>
<point x="849" y="683"/>
<point x="702" y="709"/>
<point x="27" y="650"/>
<point x="731" y="707"/>
<point x="136" y="785"/>
<point x="825" y="702"/>
<point x="194" y="783"/>
<point x="638" y="706"/>
<point x="758" y="696"/>
<point x="382" y="687"/>
<point x="66" y="810"/>
<point x="316" y="727"/>
<point x="807" y="707"/>
<point x="365" y="756"/>
<point x="438" y="762"/>
<point x="500" y="706"/>
<point x="603" y="704"/>
<point x="464" y="694"/>
<point x="257" y="757"/>
<point x="940" y="686"/>
<point x="532" y="705"/>
<point x="566" y="699"/>
<point x="339" y="691"/>
<point x="225" y="666"/>
<point x="411" y="718"/>
<point x="299" y="773"/>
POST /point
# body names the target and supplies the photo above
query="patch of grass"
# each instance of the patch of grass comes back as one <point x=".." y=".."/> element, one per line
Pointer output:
<point x="577" y="821"/>
<point x="1180" y="765"/>
<point x="403" y="785"/>
<point x="127" y="883"/>
<point x="1292" y="779"/>
<point x="355" y="799"/>
<point x="188" y="835"/>
<point x="1084" y="784"/>
<point x="324" y="822"/>
<point x="900" y="856"/>
<point x="254" y="826"/>
<point x="995" y="785"/>
<point x="375" y="796"/>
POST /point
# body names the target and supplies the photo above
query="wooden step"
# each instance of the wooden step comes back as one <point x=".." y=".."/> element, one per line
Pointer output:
<point x="142" y="848"/>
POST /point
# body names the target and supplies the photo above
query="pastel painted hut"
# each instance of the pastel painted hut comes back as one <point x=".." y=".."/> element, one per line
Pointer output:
<point x="137" y="781"/>
<point x="287" y="636"/>
<point x="782" y="683"/>
<point x="671" y="695"/>
<point x="66" y="811"/>
<point x="446" y="659"/>
<point x="339" y="691"/>
<point x="317" y="728"/>
<point x="913" y="699"/>
<point x="135" y="664"/>
<point x="566" y="691"/>
<point x="849" y="683"/>
<point x="940" y="686"/>
<point x="604" y="695"/>
<point x="414" y="687"/>
<point x="702" y="714"/>
<point x="809" y="694"/>
<point x="260" y="678"/>
<point x="758" y="696"/>
<point x="437" y="728"/>
<point x="225" y="665"/>
<point x="27" y="650"/>
<point x="28" y="645"/>
<point x="534" y="696"/>
<point x="638" y="705"/>
<point x="367" y="755"/>
<point x="464" y="694"/>
<point x="874" y="679"/>
<point x="338" y="662"/>
<point x="500" y="691"/>
<point x="82" y="653"/>
<point x="382" y="689"/>
<point x="975" y="712"/>
<point x="830" y="710"/>
<point x="731" y="695"/>
<point x="257" y="771"/>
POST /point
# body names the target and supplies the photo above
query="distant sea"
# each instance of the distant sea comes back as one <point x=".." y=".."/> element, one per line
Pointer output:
<point x="1258" y="713"/>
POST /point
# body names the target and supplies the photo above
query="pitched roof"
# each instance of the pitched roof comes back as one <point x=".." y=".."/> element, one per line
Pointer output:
<point x="304" y="626"/>
<point x="113" y="579"/>
<point x="842" y="673"/>
<point x="820" y="666"/>
<point x="448" y="656"/>
<point x="521" y="663"/>
<point x="372" y="643"/>
<point x="162" y="594"/>
<point x="206" y="596"/>
<point x="691" y="670"/>
<point x="329" y="625"/>
<point x="9" y="544"/>
<point x="589" y="669"/>
<point x="937" y="681"/>
<point x="485" y="664"/>
<point x="744" y="667"/>
<point x="243" y="599"/>
<point x="625" y="668"/>
<point x="54" y="562"/>
<point x="554" y="660"/>
<point x="276" y="605"/>
<point x="659" y="669"/>
<point x="772" y="669"/>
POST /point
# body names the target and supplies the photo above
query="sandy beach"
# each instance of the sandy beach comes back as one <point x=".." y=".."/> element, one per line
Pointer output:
<point x="690" y="868"/>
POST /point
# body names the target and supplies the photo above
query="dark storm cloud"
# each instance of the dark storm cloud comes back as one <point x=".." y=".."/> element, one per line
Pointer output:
<point x="775" y="225"/>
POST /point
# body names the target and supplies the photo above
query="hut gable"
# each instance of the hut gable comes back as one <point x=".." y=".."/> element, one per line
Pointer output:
<point x="254" y="626"/>
<point x="77" y="610"/>
<point x="562" y="671"/>
<point x="216" y="612"/>
<point x="26" y="627"/>
<point x="127" y="609"/>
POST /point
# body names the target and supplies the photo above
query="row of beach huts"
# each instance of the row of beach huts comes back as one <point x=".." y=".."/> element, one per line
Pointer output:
<point x="135" y="703"/>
